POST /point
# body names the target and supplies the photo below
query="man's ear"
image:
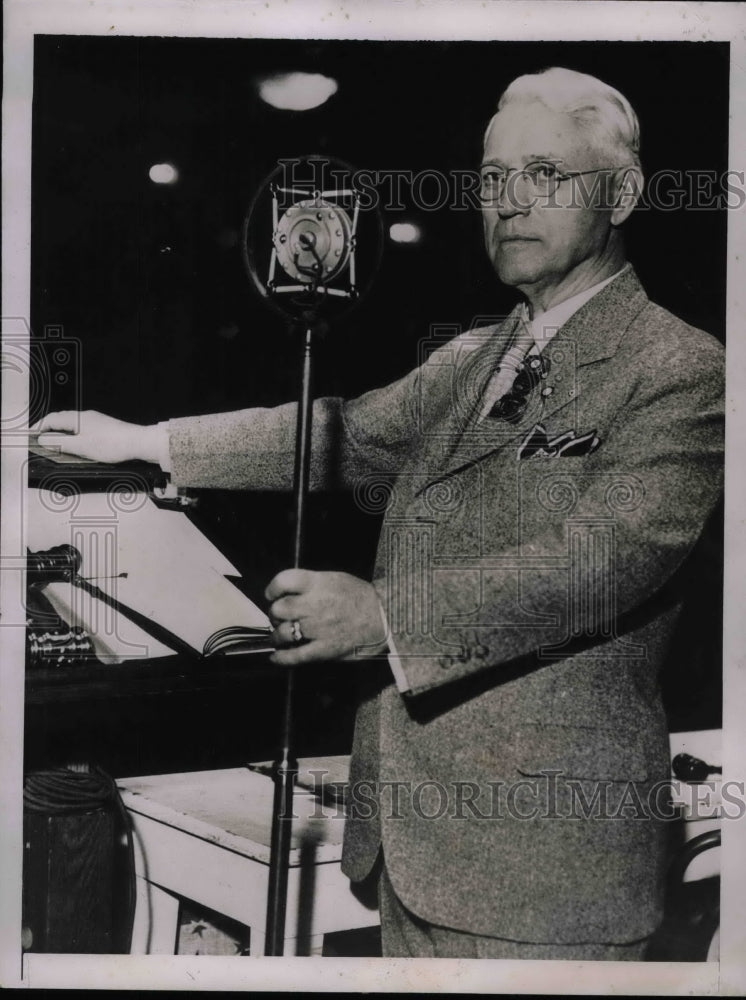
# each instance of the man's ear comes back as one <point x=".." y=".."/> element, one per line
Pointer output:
<point x="628" y="191"/>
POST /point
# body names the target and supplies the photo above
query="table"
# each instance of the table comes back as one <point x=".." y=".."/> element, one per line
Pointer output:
<point x="205" y="836"/>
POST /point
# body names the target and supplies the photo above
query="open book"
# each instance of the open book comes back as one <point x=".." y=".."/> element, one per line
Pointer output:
<point x="149" y="561"/>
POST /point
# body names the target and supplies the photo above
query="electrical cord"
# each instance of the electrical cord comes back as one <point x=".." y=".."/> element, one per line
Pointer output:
<point x="63" y="792"/>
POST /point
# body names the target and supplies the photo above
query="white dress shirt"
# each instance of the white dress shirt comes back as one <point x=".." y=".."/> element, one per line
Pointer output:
<point x="531" y="337"/>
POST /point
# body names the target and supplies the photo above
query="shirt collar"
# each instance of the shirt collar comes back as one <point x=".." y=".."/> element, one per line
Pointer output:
<point x="545" y="325"/>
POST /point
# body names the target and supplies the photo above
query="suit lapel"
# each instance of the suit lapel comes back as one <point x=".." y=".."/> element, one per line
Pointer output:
<point x="459" y="391"/>
<point x="592" y="334"/>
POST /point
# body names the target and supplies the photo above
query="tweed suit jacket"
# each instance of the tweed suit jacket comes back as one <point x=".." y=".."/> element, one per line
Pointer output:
<point x="531" y="594"/>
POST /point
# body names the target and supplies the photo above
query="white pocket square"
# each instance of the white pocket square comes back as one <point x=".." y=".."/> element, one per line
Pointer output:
<point x="566" y="445"/>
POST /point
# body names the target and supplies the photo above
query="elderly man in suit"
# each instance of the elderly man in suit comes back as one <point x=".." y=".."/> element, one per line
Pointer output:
<point x="544" y="480"/>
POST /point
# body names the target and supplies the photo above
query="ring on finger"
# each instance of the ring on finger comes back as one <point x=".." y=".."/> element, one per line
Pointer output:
<point x="296" y="631"/>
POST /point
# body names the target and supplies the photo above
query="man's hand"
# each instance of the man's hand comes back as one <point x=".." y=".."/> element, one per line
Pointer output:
<point x="96" y="436"/>
<point x="339" y="616"/>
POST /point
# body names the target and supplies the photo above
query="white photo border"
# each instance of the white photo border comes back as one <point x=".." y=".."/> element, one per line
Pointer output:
<point x="554" y="20"/>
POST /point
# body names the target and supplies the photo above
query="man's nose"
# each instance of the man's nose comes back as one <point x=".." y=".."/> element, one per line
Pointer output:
<point x="516" y="197"/>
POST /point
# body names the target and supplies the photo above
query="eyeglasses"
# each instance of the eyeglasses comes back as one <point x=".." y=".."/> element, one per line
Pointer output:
<point x="543" y="177"/>
<point x="512" y="405"/>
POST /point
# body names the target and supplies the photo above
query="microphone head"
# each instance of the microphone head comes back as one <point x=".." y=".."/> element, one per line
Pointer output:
<point x="311" y="243"/>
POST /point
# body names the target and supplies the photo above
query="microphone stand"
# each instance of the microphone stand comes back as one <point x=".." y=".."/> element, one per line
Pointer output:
<point x="313" y="243"/>
<point x="285" y="767"/>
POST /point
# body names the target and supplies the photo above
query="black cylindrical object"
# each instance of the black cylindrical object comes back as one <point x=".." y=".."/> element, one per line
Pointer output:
<point x="78" y="880"/>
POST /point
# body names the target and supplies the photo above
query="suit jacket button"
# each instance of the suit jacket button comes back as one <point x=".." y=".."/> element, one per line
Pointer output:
<point x="445" y="662"/>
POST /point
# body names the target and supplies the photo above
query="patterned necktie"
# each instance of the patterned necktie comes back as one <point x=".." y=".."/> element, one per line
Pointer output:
<point x="511" y="366"/>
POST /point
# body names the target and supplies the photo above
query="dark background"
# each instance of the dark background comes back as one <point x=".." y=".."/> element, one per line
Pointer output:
<point x="150" y="280"/>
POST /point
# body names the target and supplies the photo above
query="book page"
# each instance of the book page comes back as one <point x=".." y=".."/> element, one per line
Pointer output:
<point x="115" y="638"/>
<point x="152" y="560"/>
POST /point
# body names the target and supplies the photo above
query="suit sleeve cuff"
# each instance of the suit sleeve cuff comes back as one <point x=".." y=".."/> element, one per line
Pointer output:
<point x="397" y="670"/>
<point x="163" y="445"/>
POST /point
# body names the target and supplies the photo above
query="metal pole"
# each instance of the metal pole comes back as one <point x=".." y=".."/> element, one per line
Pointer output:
<point x="303" y="450"/>
<point x="285" y="767"/>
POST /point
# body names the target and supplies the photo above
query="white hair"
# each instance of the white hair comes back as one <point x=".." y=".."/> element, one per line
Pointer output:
<point x="598" y="108"/>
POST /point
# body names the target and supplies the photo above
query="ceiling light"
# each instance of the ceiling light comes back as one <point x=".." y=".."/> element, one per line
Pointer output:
<point x="297" y="91"/>
<point x="405" y="232"/>
<point x="163" y="173"/>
